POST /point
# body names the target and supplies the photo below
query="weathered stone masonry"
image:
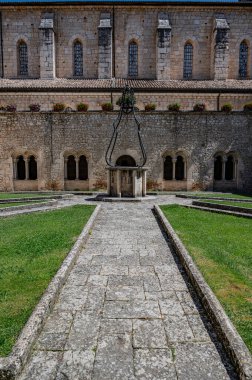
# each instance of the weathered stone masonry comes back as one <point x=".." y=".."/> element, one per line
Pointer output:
<point x="197" y="137"/>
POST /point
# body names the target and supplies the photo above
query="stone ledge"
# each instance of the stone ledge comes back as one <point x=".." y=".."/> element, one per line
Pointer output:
<point x="223" y="207"/>
<point x="219" y="211"/>
<point x="233" y="343"/>
<point x="28" y="207"/>
<point x="12" y="365"/>
<point x="214" y="199"/>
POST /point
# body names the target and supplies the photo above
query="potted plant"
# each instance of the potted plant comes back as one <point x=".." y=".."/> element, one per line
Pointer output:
<point x="247" y="107"/>
<point x="174" y="107"/>
<point x="11" y="108"/>
<point x="34" y="107"/>
<point x="150" y="107"/>
<point x="59" y="107"/>
<point x="129" y="100"/>
<point x="107" y="106"/>
<point x="199" y="107"/>
<point x="227" y="107"/>
<point x="82" y="107"/>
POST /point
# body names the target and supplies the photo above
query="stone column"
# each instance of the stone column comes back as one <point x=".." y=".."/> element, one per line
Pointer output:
<point x="220" y="49"/>
<point x="105" y="47"/>
<point x="47" y="47"/>
<point x="77" y="167"/>
<point x="26" y="168"/>
<point x="174" y="160"/>
<point x="144" y="183"/>
<point x="163" y="66"/>
<point x="14" y="168"/>
<point x="224" y="160"/>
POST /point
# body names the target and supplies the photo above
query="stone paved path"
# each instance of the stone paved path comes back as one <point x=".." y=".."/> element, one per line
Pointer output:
<point x="126" y="312"/>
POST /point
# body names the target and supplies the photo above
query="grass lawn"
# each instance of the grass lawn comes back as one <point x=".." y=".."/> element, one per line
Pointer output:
<point x="230" y="203"/>
<point x="12" y="204"/>
<point x="217" y="195"/>
<point x="32" y="248"/>
<point x="221" y="246"/>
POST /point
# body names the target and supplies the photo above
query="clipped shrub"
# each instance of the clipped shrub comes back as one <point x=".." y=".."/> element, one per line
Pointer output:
<point x="59" y="107"/>
<point x="199" y="107"/>
<point x="107" y="107"/>
<point x="150" y="107"/>
<point x="174" y="107"/>
<point x="11" y="108"/>
<point x="247" y="107"/>
<point x="34" y="107"/>
<point x="227" y="107"/>
<point x="82" y="107"/>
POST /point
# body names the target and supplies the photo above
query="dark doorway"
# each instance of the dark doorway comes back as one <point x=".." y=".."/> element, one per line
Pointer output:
<point x="83" y="168"/>
<point x="125" y="161"/>
<point x="168" y="168"/>
<point x="218" y="168"/>
<point x="20" y="168"/>
<point x="71" y="168"/>
<point x="179" y="169"/>
<point x="32" y="168"/>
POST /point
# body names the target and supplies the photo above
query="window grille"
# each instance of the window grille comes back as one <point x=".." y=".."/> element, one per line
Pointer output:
<point x="78" y="59"/>
<point x="23" y="59"/>
<point x="243" y="60"/>
<point x="133" y="59"/>
<point x="188" y="59"/>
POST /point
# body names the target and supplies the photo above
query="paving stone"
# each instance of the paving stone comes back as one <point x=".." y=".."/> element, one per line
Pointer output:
<point x="95" y="299"/>
<point x="101" y="260"/>
<point x="43" y="366"/>
<point x="97" y="280"/>
<point x="131" y="309"/>
<point x="171" y="307"/>
<point x="114" y="269"/>
<point x="51" y="341"/>
<point x="84" y="332"/>
<point x="188" y="304"/>
<point x="77" y="279"/>
<point x="151" y="283"/>
<point x="115" y="281"/>
<point x="125" y="293"/>
<point x="76" y="365"/>
<point x="177" y="328"/>
<point x="138" y="270"/>
<point x="172" y="282"/>
<point x="149" y="334"/>
<point x="71" y="298"/>
<point x="198" y="361"/>
<point x="154" y="364"/>
<point x="86" y="269"/>
<point x="154" y="296"/>
<point x="115" y="326"/>
<point x="198" y="328"/>
<point x="114" y="358"/>
<point x="58" y="322"/>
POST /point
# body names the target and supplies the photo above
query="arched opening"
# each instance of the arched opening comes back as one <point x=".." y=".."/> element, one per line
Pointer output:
<point x="179" y="168"/>
<point x="22" y="55"/>
<point x="229" y="168"/>
<point x="125" y="161"/>
<point x="83" y="168"/>
<point x="188" y="61"/>
<point x="168" y="168"/>
<point x="77" y="59"/>
<point x="218" y="168"/>
<point x="32" y="168"/>
<point x="243" y="60"/>
<point x="133" y="59"/>
<point x="71" y="168"/>
<point x="20" y="168"/>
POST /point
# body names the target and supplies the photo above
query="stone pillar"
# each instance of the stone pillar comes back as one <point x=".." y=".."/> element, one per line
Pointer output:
<point x="65" y="168"/>
<point x="144" y="184"/>
<point x="105" y="47"/>
<point x="118" y="183"/>
<point x="220" y="49"/>
<point x="47" y="47"/>
<point x="224" y="160"/>
<point x="26" y="168"/>
<point x="174" y="160"/>
<point x="77" y="167"/>
<point x="163" y="66"/>
<point x="14" y="168"/>
<point x="185" y="170"/>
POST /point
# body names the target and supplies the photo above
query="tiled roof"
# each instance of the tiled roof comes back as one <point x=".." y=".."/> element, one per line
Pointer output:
<point x="114" y="1"/>
<point x="82" y="85"/>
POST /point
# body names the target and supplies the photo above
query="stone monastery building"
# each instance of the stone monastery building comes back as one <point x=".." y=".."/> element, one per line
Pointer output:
<point x="169" y="52"/>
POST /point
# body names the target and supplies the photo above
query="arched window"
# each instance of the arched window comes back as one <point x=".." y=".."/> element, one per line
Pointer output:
<point x="22" y="59"/>
<point x="71" y="168"/>
<point x="188" y="61"/>
<point x="20" y="168"/>
<point x="243" y="60"/>
<point x="218" y="168"/>
<point x="83" y="168"/>
<point x="133" y="59"/>
<point x="179" y="168"/>
<point x="125" y="161"/>
<point x="32" y="168"/>
<point x="168" y="168"/>
<point x="78" y="59"/>
<point x="229" y="169"/>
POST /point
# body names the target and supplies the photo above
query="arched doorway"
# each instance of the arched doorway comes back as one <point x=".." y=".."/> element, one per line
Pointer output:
<point x="125" y="161"/>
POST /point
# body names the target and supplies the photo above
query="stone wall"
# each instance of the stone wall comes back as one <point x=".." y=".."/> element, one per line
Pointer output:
<point x="196" y="136"/>
<point x="195" y="24"/>
<point x="187" y="100"/>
